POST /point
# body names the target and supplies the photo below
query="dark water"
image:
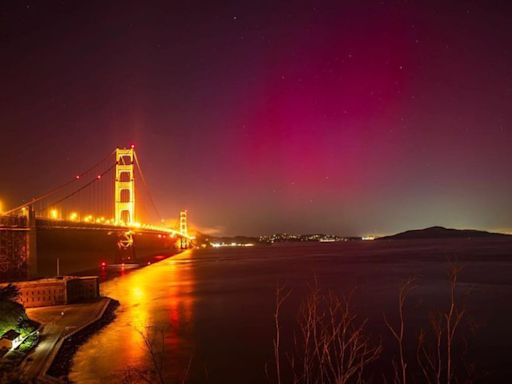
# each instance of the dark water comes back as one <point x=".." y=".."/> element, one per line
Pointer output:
<point x="214" y="308"/>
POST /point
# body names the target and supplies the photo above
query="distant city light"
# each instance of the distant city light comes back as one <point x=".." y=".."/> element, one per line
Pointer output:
<point x="218" y="245"/>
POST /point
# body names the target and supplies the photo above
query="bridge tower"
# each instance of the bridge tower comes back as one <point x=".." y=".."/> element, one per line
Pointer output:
<point x="184" y="228"/>
<point x="183" y="222"/>
<point x="125" y="186"/>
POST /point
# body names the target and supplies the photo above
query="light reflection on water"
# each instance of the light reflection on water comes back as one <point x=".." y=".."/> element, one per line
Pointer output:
<point x="216" y="306"/>
<point x="154" y="299"/>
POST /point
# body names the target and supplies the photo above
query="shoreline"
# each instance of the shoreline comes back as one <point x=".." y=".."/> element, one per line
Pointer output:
<point x="61" y="363"/>
<point x="64" y="329"/>
<point x="57" y="364"/>
<point x="110" y="272"/>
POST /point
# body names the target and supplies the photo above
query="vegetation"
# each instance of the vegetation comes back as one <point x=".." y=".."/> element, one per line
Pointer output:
<point x="154" y="345"/>
<point x="13" y="316"/>
<point x="11" y="313"/>
<point x="29" y="343"/>
<point x="9" y="293"/>
<point x="332" y="345"/>
<point x="331" y="342"/>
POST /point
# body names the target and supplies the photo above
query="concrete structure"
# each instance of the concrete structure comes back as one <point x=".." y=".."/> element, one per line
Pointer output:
<point x="184" y="228"/>
<point x="57" y="291"/>
<point x="57" y="329"/>
<point x="10" y="340"/>
<point x="124" y="187"/>
<point x="18" y="250"/>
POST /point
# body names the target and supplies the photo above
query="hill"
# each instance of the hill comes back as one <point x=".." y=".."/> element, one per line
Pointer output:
<point x="441" y="233"/>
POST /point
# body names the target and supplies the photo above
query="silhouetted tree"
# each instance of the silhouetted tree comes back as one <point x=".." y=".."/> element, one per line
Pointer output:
<point x="9" y="293"/>
<point x="332" y="345"/>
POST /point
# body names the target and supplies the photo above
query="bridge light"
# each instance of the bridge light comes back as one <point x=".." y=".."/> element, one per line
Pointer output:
<point x="103" y="264"/>
<point x="99" y="176"/>
<point x="1" y="207"/>
<point x="73" y="216"/>
<point x="77" y="177"/>
<point x="54" y="214"/>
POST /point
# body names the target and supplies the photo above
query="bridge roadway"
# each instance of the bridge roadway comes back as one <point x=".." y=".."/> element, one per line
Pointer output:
<point x="77" y="246"/>
<point x="81" y="225"/>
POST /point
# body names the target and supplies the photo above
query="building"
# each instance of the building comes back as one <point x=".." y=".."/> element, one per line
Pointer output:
<point x="57" y="291"/>
<point x="82" y="288"/>
<point x="10" y="340"/>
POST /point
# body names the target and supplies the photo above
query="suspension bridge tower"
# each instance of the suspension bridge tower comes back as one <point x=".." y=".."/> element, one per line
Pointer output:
<point x="184" y="228"/>
<point x="125" y="186"/>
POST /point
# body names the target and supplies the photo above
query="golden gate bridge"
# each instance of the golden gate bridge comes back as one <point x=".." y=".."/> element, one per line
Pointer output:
<point x="108" y="209"/>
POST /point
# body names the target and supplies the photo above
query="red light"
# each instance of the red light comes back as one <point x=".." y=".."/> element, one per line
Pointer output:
<point x="132" y="146"/>
<point x="103" y="264"/>
<point x="99" y="176"/>
<point x="77" y="177"/>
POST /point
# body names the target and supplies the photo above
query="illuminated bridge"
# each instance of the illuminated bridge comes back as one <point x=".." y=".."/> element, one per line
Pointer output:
<point x="104" y="216"/>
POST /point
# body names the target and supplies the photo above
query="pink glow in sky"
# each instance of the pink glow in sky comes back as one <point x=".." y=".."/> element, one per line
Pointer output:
<point x="342" y="117"/>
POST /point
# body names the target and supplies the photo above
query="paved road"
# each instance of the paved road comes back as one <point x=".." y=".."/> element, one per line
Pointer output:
<point x="58" y="321"/>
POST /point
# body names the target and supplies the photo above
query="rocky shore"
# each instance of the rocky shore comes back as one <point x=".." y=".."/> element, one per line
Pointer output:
<point x="62" y="362"/>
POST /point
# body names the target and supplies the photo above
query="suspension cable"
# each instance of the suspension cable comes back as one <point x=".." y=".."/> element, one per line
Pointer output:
<point x="53" y="191"/>
<point x="148" y="192"/>
<point x="83" y="186"/>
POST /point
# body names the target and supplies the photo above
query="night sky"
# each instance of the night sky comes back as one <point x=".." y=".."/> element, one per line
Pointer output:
<point x="345" y="117"/>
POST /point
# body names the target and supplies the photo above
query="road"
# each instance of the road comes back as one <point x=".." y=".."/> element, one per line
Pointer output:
<point x="58" y="322"/>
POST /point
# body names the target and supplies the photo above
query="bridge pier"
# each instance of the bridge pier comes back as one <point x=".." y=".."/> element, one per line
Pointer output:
<point x="18" y="245"/>
<point x="31" y="244"/>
